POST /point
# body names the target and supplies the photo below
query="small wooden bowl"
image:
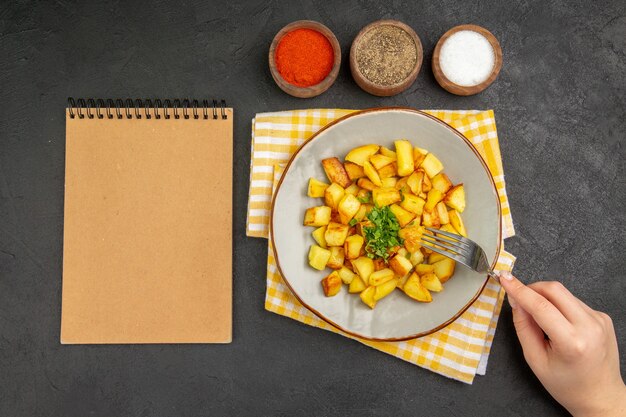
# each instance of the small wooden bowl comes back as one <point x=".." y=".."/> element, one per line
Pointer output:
<point x="474" y="89"/>
<point x="382" y="90"/>
<point x="314" y="90"/>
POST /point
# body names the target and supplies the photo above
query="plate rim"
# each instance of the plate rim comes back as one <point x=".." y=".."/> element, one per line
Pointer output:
<point x="320" y="315"/>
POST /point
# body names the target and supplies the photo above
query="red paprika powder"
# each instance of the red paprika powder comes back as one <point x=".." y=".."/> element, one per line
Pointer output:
<point x="304" y="57"/>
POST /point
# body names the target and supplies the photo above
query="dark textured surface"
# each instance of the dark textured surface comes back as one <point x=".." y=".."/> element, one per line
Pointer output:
<point x="559" y="104"/>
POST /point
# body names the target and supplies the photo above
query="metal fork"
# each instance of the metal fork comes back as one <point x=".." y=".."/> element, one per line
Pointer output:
<point x="460" y="249"/>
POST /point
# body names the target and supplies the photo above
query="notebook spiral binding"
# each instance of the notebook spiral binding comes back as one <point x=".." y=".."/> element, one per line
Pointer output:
<point x="93" y="108"/>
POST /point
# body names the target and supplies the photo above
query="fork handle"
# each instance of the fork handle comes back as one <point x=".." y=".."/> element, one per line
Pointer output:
<point x="493" y="275"/>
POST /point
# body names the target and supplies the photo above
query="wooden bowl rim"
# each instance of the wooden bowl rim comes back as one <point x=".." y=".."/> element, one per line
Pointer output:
<point x="368" y="85"/>
<point x="322" y="86"/>
<point x="453" y="88"/>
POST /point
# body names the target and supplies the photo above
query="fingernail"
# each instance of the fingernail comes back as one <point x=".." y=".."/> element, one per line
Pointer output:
<point x="506" y="275"/>
<point x="512" y="302"/>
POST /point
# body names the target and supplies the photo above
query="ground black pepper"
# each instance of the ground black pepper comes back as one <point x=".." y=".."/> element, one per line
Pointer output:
<point x="386" y="55"/>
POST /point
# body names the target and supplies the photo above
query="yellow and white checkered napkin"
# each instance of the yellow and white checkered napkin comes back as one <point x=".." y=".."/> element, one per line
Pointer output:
<point x="458" y="351"/>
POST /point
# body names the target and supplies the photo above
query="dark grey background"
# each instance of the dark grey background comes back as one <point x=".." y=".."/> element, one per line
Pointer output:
<point x="559" y="104"/>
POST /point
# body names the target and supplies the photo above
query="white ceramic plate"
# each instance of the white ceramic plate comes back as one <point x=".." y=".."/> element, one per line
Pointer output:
<point x="396" y="317"/>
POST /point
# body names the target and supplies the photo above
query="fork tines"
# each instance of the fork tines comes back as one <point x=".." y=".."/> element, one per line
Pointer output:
<point x="448" y="244"/>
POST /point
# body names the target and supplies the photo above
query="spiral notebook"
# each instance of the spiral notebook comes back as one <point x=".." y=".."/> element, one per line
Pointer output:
<point x="147" y="254"/>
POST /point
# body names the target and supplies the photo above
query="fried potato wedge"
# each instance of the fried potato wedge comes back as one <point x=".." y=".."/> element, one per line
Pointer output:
<point x="431" y="165"/>
<point x="400" y="265"/>
<point x="317" y="216"/>
<point x="331" y="284"/>
<point x="364" y="267"/>
<point x="430" y="219"/>
<point x="435" y="257"/>
<point x="316" y="188"/>
<point x="387" y="152"/>
<point x="336" y="172"/>
<point x="404" y="216"/>
<point x="352" y="189"/>
<point x="337" y="257"/>
<point x="318" y="257"/>
<point x="333" y="195"/>
<point x="413" y="203"/>
<point x="389" y="182"/>
<point x="385" y="196"/>
<point x="415" y="182"/>
<point x="444" y="269"/>
<point x="402" y="281"/>
<point x="388" y="171"/>
<point x="441" y="182"/>
<point x="431" y="282"/>
<point x="353" y="245"/>
<point x="385" y="289"/>
<point x="380" y="277"/>
<point x="457" y="222"/>
<point x="354" y="171"/>
<point x="442" y="213"/>
<point x="455" y="198"/>
<point x="360" y="215"/>
<point x="401" y="185"/>
<point x="418" y="158"/>
<point x="318" y="235"/>
<point x="426" y="183"/>
<point x="423" y="269"/>
<point x="414" y="289"/>
<point x="367" y="296"/>
<point x="404" y="155"/>
<point x="379" y="161"/>
<point x="346" y="275"/>
<point x="372" y="174"/>
<point x="379" y="264"/>
<point x="434" y="197"/>
<point x="361" y="154"/>
<point x="448" y="227"/>
<point x="348" y="207"/>
<point x="336" y="234"/>
<point x="356" y="285"/>
<point x="412" y="236"/>
<point x="366" y="184"/>
<point x="416" y="258"/>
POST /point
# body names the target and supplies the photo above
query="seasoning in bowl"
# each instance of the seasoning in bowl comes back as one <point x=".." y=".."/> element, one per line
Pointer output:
<point x="385" y="57"/>
<point x="304" y="58"/>
<point x="467" y="59"/>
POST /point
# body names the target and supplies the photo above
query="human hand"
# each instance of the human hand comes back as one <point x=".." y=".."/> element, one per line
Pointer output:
<point x="578" y="363"/>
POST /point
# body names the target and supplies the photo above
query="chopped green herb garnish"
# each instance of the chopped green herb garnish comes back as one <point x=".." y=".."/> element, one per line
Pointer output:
<point x="353" y="222"/>
<point x="383" y="235"/>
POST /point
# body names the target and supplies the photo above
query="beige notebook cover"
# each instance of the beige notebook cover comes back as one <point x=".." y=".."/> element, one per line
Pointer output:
<point x="147" y="252"/>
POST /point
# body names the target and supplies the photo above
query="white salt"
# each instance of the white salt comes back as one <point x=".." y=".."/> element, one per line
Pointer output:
<point x="466" y="58"/>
